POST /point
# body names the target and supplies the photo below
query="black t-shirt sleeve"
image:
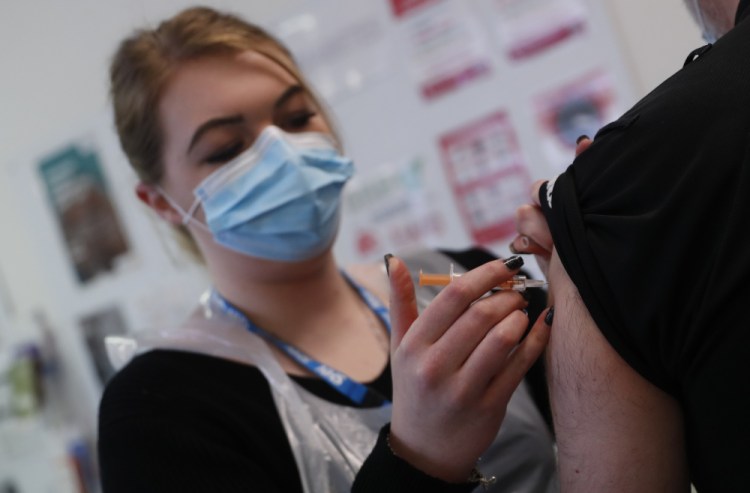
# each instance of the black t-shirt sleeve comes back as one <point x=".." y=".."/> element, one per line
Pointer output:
<point x="644" y="218"/>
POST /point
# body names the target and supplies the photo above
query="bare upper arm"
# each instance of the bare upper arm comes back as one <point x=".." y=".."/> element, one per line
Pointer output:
<point x="616" y="431"/>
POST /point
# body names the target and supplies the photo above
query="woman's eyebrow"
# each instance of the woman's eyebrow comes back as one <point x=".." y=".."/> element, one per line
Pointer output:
<point x="213" y="123"/>
<point x="290" y="92"/>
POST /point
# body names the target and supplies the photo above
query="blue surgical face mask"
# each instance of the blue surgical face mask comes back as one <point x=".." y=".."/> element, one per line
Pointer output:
<point x="278" y="200"/>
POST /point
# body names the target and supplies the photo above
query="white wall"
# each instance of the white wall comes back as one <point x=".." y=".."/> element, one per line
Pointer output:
<point x="657" y="36"/>
<point x="53" y="72"/>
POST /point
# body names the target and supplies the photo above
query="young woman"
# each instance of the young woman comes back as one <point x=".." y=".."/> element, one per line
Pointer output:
<point x="289" y="376"/>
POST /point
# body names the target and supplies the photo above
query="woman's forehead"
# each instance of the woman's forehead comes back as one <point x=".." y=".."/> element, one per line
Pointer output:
<point x="214" y="85"/>
<point x="224" y="68"/>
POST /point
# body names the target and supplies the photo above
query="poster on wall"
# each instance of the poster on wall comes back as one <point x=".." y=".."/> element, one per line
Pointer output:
<point x="84" y="211"/>
<point x="389" y="210"/>
<point x="96" y="326"/>
<point x="486" y="171"/>
<point x="525" y="28"/>
<point x="441" y="37"/>
<point x="577" y="108"/>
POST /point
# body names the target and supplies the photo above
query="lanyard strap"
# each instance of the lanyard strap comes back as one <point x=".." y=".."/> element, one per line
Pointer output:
<point x="355" y="391"/>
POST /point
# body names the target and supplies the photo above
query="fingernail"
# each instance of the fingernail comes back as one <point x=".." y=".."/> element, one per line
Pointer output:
<point x="524" y="244"/>
<point x="387" y="258"/>
<point x="513" y="263"/>
<point x="579" y="139"/>
<point x="550" y="316"/>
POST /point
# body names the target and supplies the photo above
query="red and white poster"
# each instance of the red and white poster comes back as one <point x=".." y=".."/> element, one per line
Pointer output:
<point x="442" y="39"/>
<point x="528" y="27"/>
<point x="485" y="168"/>
<point x="578" y="108"/>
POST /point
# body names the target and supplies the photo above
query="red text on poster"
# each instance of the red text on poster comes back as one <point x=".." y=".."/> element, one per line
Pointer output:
<point x="485" y="169"/>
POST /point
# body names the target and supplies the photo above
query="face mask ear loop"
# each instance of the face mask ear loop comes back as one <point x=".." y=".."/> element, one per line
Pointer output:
<point x="187" y="216"/>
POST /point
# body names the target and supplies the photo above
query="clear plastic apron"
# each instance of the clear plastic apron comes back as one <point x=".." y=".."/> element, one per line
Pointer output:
<point x="329" y="441"/>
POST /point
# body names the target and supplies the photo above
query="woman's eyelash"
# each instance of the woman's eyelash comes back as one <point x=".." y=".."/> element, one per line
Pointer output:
<point x="225" y="154"/>
<point x="294" y="121"/>
<point x="300" y="119"/>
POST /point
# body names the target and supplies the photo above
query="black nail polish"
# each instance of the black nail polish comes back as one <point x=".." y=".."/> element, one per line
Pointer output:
<point x="550" y="316"/>
<point x="513" y="263"/>
<point x="579" y="139"/>
<point x="387" y="257"/>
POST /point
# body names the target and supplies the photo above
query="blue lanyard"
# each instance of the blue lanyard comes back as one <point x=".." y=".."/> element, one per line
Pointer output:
<point x="355" y="391"/>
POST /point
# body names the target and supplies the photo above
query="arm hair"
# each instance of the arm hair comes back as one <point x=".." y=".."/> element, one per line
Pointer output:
<point x="616" y="431"/>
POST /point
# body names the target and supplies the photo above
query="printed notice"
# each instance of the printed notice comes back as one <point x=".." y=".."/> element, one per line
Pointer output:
<point x="578" y="108"/>
<point x="443" y="42"/>
<point x="79" y="198"/>
<point x="528" y="27"/>
<point x="486" y="170"/>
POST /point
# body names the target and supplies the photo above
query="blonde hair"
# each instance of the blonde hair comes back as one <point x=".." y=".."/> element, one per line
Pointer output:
<point x="142" y="66"/>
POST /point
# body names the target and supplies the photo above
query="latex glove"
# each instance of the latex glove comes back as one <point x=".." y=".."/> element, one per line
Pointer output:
<point x="455" y="367"/>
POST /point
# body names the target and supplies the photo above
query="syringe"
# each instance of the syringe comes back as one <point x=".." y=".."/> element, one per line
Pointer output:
<point x="517" y="283"/>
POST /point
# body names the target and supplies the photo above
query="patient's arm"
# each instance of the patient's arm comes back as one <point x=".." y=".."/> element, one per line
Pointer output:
<point x="616" y="431"/>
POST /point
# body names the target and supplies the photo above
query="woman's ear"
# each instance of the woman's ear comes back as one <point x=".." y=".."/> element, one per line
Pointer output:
<point x="153" y="197"/>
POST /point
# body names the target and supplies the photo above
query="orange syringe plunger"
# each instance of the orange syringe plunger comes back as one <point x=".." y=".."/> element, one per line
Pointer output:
<point x="433" y="279"/>
<point x="517" y="283"/>
<point x="437" y="279"/>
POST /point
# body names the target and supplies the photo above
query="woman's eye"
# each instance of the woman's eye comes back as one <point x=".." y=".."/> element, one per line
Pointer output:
<point x="225" y="154"/>
<point x="298" y="121"/>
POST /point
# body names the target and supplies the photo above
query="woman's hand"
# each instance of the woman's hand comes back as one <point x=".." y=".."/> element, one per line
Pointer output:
<point x="533" y="232"/>
<point x="456" y="366"/>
